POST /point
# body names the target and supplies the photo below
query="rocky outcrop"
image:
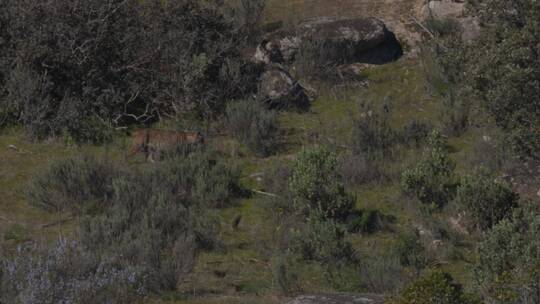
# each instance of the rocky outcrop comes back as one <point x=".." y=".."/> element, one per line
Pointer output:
<point x="277" y="49"/>
<point x="338" y="299"/>
<point x="453" y="10"/>
<point x="364" y="40"/>
<point x="280" y="90"/>
<point x="441" y="9"/>
<point x="359" y="33"/>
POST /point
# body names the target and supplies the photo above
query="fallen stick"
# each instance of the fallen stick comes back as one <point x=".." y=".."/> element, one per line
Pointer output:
<point x="59" y="222"/>
<point x="264" y="193"/>
<point x="422" y="26"/>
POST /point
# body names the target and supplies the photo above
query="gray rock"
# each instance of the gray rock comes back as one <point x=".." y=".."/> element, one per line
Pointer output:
<point x="454" y="10"/>
<point x="441" y="9"/>
<point x="268" y="52"/>
<point x="288" y="46"/>
<point x="346" y="39"/>
<point x="277" y="49"/>
<point x="279" y="90"/>
<point x="361" y="33"/>
<point x="341" y="298"/>
<point x="470" y="28"/>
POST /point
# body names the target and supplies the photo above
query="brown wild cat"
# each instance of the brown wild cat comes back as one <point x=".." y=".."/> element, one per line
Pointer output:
<point x="152" y="142"/>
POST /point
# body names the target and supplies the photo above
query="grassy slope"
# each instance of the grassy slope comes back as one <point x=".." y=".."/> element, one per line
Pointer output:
<point x="247" y="258"/>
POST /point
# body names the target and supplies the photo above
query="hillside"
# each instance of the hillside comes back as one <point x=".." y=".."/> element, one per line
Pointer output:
<point x="378" y="126"/>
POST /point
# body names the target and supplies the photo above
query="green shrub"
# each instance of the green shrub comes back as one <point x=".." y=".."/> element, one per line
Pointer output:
<point x="416" y="132"/>
<point x="73" y="184"/>
<point x="410" y="251"/>
<point x="443" y="27"/>
<point x="209" y="181"/>
<point x="159" y="219"/>
<point x="506" y="82"/>
<point x="432" y="180"/>
<point x="358" y="169"/>
<point x="254" y="125"/>
<point x="365" y="221"/>
<point x="508" y="265"/>
<point x="454" y="116"/>
<point x="66" y="273"/>
<point x="372" y="134"/>
<point x="17" y="233"/>
<point x="317" y="186"/>
<point x="80" y="67"/>
<point x="492" y="152"/>
<point x="485" y="200"/>
<point x="323" y="241"/>
<point x="284" y="275"/>
<point x="436" y="287"/>
<point x="153" y="221"/>
<point x="381" y="272"/>
<point x="317" y="59"/>
<point x="151" y="229"/>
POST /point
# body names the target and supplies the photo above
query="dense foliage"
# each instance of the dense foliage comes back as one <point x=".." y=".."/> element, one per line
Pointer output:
<point x="436" y="287"/>
<point x="508" y="266"/>
<point x="485" y="200"/>
<point x="431" y="180"/>
<point x="317" y="186"/>
<point x="254" y="125"/>
<point x="82" y="67"/>
<point x="73" y="184"/>
<point x="501" y="68"/>
<point x="66" y="273"/>
<point x="140" y="232"/>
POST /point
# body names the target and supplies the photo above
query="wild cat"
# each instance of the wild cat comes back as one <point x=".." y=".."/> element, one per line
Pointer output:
<point x="153" y="142"/>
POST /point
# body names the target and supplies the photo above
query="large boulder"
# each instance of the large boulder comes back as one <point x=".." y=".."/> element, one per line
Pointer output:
<point x="441" y="9"/>
<point x="280" y="90"/>
<point x="277" y="49"/>
<point x="342" y="298"/>
<point x="453" y="10"/>
<point x="345" y="40"/>
<point x="359" y="33"/>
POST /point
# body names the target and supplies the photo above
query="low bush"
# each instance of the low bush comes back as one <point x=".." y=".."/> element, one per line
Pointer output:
<point x="254" y="125"/>
<point x="491" y="152"/>
<point x="66" y="273"/>
<point x="357" y="169"/>
<point x="365" y="221"/>
<point x="318" y="60"/>
<point x="159" y="219"/>
<point x="79" y="68"/>
<point x="381" y="272"/>
<point x="415" y="132"/>
<point x="153" y="222"/>
<point x="73" y="184"/>
<point x="454" y="116"/>
<point x="201" y="177"/>
<point x="152" y="229"/>
<point x="410" y="250"/>
<point x="323" y="241"/>
<point x="436" y="287"/>
<point x="443" y="27"/>
<point x="317" y="186"/>
<point x="431" y="180"/>
<point x="484" y="199"/>
<point x="285" y="277"/>
<point x="508" y="265"/>
<point x="372" y="134"/>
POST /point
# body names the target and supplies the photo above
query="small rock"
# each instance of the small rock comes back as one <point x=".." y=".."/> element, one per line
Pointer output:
<point x="279" y="90"/>
<point x="339" y="298"/>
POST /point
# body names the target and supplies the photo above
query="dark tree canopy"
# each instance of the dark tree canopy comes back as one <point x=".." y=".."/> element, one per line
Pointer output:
<point x="81" y="66"/>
